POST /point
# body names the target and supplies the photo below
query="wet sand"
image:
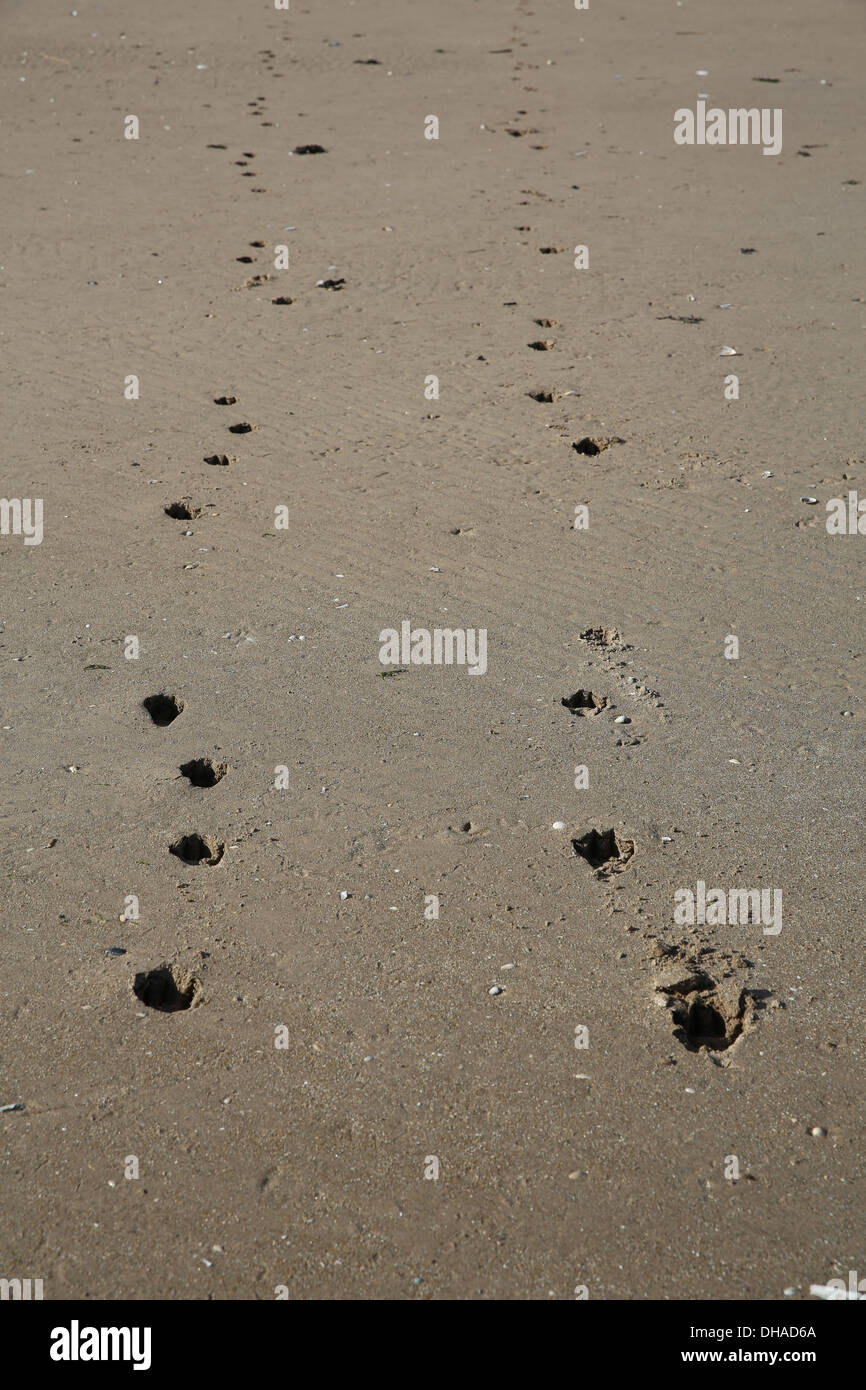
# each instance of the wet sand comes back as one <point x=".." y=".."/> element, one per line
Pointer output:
<point x="377" y="950"/>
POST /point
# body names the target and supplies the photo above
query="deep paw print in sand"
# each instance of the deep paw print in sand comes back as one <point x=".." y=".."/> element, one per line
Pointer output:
<point x="704" y="1020"/>
<point x="584" y="702"/>
<point x="710" y="1012"/>
<point x="198" y="849"/>
<point x="169" y="989"/>
<point x="203" y="772"/>
<point x="603" y="851"/>
<point x="163" y="709"/>
<point x="183" y="510"/>
<point x="549" y="395"/>
<point x="596" y="444"/>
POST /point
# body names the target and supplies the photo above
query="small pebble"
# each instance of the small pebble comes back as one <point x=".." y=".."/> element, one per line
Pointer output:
<point x="818" y="1132"/>
<point x="558" y="825"/>
<point x="344" y="895"/>
<point x="766" y="473"/>
<point x="810" y="500"/>
<point x="622" y="719"/>
<point x="729" y="352"/>
<point x="497" y="989"/>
